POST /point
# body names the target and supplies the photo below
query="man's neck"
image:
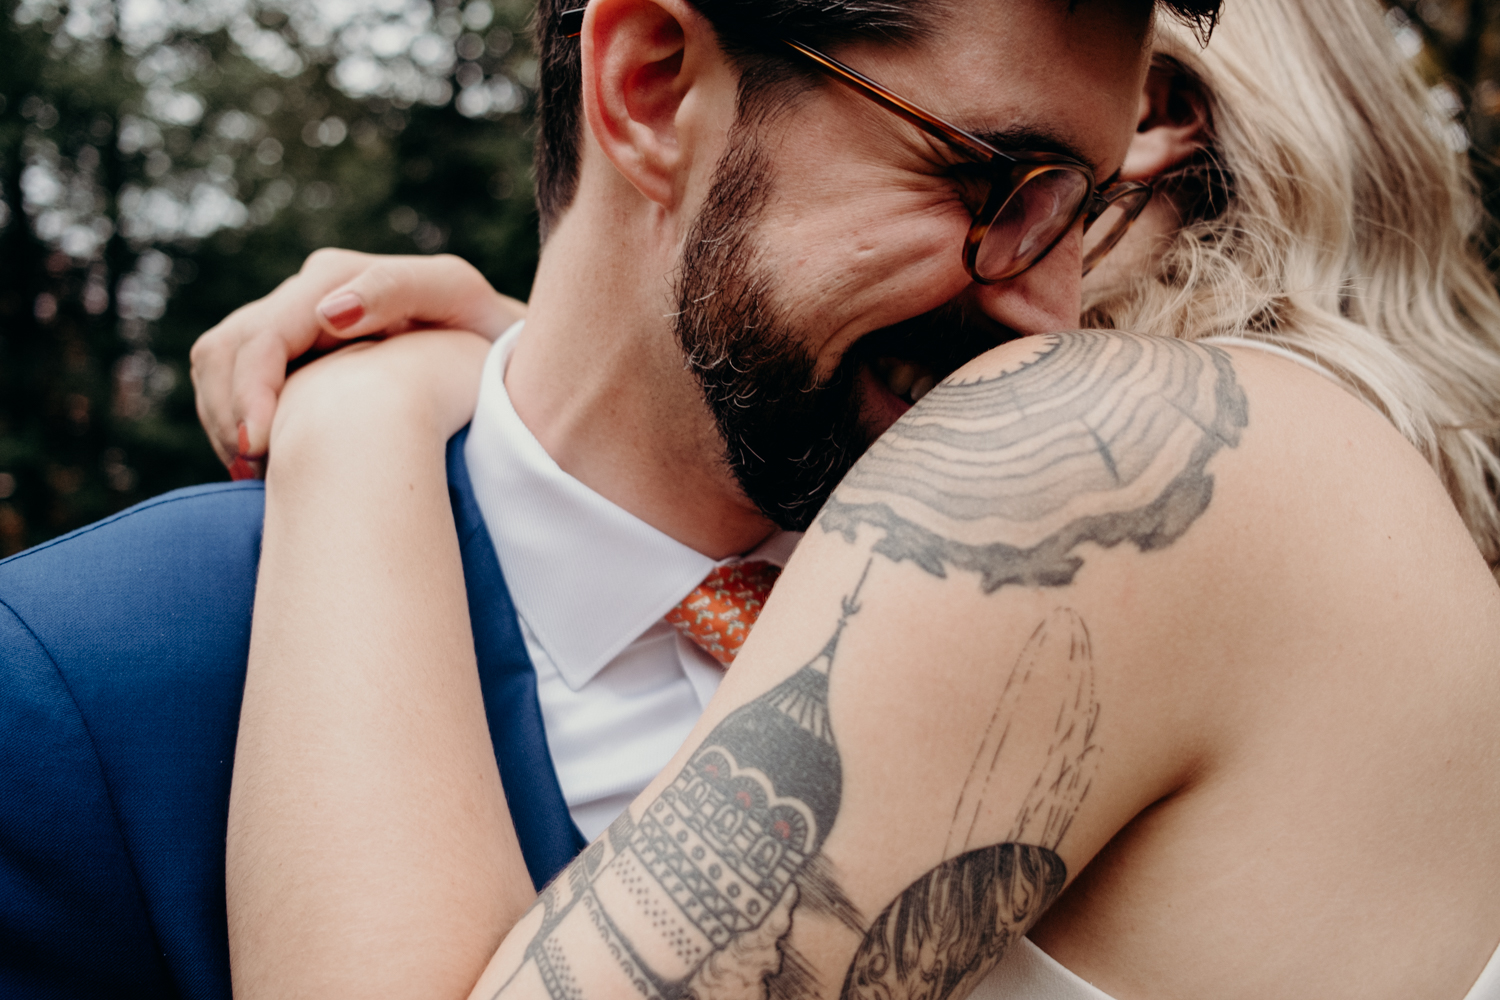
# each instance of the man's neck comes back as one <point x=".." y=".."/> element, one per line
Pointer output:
<point x="598" y="378"/>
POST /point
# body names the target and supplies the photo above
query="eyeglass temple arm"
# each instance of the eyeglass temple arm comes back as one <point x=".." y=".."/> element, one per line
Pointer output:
<point x="920" y="117"/>
<point x="570" y="25"/>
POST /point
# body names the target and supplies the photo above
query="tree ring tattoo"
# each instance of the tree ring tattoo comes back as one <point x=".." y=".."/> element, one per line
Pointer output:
<point x="1101" y="438"/>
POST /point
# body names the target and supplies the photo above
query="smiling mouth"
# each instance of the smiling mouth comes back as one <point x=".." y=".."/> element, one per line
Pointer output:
<point x="902" y="363"/>
<point x="908" y="381"/>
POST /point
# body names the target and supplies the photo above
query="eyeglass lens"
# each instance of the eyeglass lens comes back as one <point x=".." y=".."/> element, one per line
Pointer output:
<point x="1106" y="230"/>
<point x="1035" y="216"/>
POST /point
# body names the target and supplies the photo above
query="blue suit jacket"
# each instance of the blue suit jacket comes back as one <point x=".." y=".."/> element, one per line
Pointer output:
<point x="122" y="663"/>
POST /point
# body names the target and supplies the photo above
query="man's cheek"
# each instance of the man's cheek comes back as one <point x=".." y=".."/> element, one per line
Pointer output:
<point x="848" y="277"/>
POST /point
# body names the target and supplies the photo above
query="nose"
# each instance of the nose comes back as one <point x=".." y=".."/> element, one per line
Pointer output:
<point x="1044" y="298"/>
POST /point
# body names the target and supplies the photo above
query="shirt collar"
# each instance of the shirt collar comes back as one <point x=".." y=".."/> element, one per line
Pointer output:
<point x="587" y="576"/>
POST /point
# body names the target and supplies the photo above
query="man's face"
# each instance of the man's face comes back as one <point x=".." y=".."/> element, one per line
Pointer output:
<point x="822" y="288"/>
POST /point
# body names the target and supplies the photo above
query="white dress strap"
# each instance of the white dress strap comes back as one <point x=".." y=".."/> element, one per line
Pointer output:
<point x="1487" y="986"/>
<point x="1029" y="973"/>
<point x="1276" y="349"/>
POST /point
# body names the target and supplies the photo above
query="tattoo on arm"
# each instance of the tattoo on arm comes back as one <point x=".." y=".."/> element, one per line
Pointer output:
<point x="1100" y="438"/>
<point x="1061" y="651"/>
<point x="951" y="927"/>
<point x="696" y="900"/>
<point x="1097" y="438"/>
<point x="696" y="895"/>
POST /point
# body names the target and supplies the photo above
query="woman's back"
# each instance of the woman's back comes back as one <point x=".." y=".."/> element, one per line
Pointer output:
<point x="1340" y="837"/>
<point x="1342" y="834"/>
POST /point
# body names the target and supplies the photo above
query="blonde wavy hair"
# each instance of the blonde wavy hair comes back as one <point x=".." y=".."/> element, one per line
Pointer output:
<point x="1330" y="216"/>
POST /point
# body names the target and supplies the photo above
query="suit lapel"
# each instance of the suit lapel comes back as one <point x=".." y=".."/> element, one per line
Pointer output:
<point x="549" y="838"/>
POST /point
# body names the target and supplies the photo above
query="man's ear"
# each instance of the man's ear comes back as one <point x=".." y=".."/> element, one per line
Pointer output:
<point x="641" y="61"/>
<point x="1173" y="123"/>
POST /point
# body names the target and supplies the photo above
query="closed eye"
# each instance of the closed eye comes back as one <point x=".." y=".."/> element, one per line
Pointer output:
<point x="973" y="183"/>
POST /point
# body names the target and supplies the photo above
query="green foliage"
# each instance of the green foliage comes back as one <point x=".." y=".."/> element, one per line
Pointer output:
<point x="1456" y="47"/>
<point x="163" y="163"/>
<point x="155" y="175"/>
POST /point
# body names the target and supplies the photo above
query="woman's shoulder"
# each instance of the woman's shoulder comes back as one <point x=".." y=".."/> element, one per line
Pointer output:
<point x="1249" y="473"/>
<point x="1130" y="395"/>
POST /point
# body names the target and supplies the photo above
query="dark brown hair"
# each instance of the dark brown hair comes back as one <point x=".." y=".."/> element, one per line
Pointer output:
<point x="748" y="30"/>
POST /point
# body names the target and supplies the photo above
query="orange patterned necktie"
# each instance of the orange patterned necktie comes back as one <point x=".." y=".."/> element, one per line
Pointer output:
<point x="718" y="614"/>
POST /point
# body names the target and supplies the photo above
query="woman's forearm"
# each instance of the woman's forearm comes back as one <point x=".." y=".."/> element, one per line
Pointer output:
<point x="370" y="852"/>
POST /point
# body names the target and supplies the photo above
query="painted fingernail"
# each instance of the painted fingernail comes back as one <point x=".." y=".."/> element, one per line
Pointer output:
<point x="244" y="441"/>
<point x="241" y="469"/>
<point x="342" y="311"/>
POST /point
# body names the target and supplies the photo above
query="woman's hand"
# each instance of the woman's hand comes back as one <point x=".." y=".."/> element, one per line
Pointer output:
<point x="240" y="366"/>
<point x="421" y="390"/>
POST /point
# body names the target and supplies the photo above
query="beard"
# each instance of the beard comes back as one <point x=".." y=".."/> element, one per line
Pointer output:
<point x="789" y="436"/>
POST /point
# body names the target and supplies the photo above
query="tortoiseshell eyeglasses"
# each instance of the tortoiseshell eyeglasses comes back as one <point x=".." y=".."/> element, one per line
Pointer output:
<point x="1032" y="200"/>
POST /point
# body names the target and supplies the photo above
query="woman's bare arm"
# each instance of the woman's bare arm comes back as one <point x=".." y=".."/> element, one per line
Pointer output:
<point x="370" y="852"/>
<point x="950" y="704"/>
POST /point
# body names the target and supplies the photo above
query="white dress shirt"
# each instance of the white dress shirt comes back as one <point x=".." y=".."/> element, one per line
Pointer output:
<point x="619" y="687"/>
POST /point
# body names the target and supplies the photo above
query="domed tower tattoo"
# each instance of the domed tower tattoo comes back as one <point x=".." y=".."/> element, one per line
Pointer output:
<point x="751" y="808"/>
<point x="715" y="855"/>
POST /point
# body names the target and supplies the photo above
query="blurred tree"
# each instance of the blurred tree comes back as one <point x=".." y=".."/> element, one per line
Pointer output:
<point x="1456" y="46"/>
<point x="162" y="163"/>
<point x="165" y="161"/>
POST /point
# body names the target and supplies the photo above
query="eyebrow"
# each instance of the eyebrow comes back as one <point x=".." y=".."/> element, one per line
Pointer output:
<point x="1017" y="139"/>
<point x="1030" y="139"/>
